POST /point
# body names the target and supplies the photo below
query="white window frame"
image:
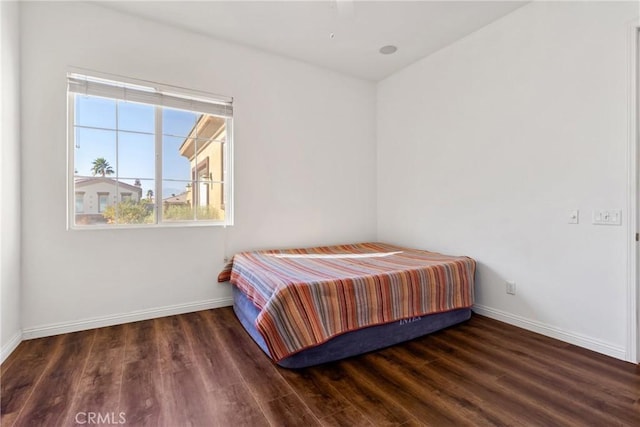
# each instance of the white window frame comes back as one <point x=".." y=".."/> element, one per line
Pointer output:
<point x="174" y="96"/>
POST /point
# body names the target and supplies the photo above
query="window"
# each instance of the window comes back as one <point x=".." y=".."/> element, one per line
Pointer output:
<point x="148" y="154"/>
<point x="103" y="201"/>
<point x="79" y="202"/>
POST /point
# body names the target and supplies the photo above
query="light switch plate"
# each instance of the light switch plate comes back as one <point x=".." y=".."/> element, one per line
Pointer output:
<point x="574" y="216"/>
<point x="607" y="217"/>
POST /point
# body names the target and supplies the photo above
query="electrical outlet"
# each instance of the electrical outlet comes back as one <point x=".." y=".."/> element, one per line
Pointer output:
<point x="511" y="287"/>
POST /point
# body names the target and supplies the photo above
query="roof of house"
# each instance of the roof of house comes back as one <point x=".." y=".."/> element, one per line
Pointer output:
<point x="178" y="199"/>
<point x="81" y="182"/>
<point x="207" y="129"/>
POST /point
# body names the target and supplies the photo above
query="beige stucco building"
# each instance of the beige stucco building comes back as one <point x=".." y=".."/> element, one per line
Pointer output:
<point x="93" y="195"/>
<point x="204" y="147"/>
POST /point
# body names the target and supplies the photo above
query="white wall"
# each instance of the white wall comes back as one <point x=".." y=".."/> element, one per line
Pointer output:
<point x="484" y="146"/>
<point x="9" y="178"/>
<point x="304" y="165"/>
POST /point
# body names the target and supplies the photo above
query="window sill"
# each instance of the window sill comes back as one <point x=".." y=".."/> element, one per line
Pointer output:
<point x="176" y="224"/>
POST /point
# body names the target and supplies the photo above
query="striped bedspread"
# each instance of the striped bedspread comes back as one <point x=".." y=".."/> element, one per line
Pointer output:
<point x="308" y="296"/>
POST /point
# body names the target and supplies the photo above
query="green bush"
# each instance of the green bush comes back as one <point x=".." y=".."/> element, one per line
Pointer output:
<point x="185" y="213"/>
<point x="130" y="212"/>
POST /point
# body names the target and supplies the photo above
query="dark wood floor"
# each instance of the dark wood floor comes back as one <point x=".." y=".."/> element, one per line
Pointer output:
<point x="202" y="369"/>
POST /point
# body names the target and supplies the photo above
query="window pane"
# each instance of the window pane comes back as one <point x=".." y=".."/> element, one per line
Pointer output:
<point x="92" y="198"/>
<point x="136" y="155"/>
<point x="212" y="128"/>
<point x="136" y="117"/>
<point x="95" y="112"/>
<point x="177" y="156"/>
<point x="130" y="212"/>
<point x="135" y="203"/>
<point x="95" y="152"/>
<point x="210" y="198"/>
<point x="136" y="187"/>
<point x="209" y="163"/>
<point x="209" y="160"/>
<point x="177" y="201"/>
<point x="178" y="122"/>
<point x="148" y="188"/>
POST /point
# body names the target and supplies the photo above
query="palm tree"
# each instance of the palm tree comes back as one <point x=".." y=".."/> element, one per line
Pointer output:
<point x="149" y="194"/>
<point x="101" y="167"/>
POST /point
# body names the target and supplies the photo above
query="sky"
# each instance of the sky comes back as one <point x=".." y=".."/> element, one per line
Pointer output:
<point x="135" y="158"/>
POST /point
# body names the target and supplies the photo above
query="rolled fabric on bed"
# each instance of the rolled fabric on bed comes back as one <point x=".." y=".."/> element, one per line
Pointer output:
<point x="306" y="297"/>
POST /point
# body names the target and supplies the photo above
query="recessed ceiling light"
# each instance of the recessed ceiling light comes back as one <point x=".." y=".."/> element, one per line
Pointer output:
<point x="388" y="49"/>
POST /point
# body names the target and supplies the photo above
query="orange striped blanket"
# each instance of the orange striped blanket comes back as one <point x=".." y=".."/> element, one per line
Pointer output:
<point x="308" y="296"/>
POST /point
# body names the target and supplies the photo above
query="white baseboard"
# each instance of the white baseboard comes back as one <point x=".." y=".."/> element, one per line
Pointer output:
<point x="99" y="322"/>
<point x="8" y="348"/>
<point x="117" y="319"/>
<point x="552" y="331"/>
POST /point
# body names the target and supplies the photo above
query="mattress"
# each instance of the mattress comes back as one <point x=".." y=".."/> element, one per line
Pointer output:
<point x="309" y="296"/>
<point x="351" y="343"/>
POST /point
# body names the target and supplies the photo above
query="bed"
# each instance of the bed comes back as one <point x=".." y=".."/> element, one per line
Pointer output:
<point x="309" y="306"/>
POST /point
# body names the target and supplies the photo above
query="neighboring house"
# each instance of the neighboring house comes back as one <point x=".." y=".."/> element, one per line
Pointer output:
<point x="94" y="195"/>
<point x="176" y="199"/>
<point x="207" y="162"/>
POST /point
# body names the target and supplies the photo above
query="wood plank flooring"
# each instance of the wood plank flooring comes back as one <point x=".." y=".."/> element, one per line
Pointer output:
<point x="202" y="369"/>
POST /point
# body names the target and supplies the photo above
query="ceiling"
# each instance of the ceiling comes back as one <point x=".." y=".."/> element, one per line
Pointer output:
<point x="342" y="35"/>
